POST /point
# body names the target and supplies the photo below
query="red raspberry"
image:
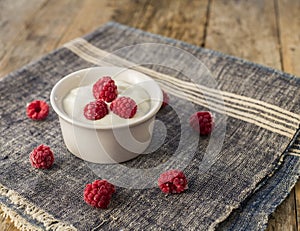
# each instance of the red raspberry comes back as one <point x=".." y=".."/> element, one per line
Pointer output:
<point x="41" y="157"/>
<point x="37" y="110"/>
<point x="124" y="107"/>
<point x="202" y="122"/>
<point x="95" y="110"/>
<point x="166" y="99"/>
<point x="105" y="89"/>
<point x="172" y="181"/>
<point x="98" y="193"/>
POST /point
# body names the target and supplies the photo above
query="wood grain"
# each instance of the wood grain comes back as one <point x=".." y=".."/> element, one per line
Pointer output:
<point x="12" y="27"/>
<point x="40" y="35"/>
<point x="289" y="22"/>
<point x="6" y="224"/>
<point x="284" y="218"/>
<point x="265" y="32"/>
<point x="91" y="15"/>
<point x="183" y="20"/>
<point x="245" y="29"/>
<point x="297" y="198"/>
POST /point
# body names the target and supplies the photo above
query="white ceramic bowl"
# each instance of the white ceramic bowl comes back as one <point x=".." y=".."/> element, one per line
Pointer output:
<point x="106" y="143"/>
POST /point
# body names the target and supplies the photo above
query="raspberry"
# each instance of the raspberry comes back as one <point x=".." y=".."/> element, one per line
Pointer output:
<point x="105" y="89"/>
<point x="98" y="193"/>
<point x="202" y="122"/>
<point x="95" y="110"/>
<point x="165" y="99"/>
<point x="41" y="157"/>
<point x="37" y="110"/>
<point x="172" y="181"/>
<point x="124" y="107"/>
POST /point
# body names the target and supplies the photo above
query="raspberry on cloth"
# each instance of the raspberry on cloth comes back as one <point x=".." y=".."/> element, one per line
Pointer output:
<point x="172" y="181"/>
<point x="166" y="99"/>
<point x="37" y="110"/>
<point x="202" y="122"/>
<point x="42" y="157"/>
<point x="98" y="193"/>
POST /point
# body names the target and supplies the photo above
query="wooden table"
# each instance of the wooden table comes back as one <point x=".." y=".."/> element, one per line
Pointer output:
<point x="262" y="31"/>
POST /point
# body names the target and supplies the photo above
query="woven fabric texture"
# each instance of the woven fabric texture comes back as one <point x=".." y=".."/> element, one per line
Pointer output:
<point x="253" y="172"/>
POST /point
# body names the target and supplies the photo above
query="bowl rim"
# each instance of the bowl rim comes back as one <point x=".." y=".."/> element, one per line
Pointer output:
<point x="152" y="112"/>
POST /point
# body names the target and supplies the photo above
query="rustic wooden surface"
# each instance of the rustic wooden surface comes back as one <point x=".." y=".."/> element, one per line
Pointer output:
<point x="262" y="31"/>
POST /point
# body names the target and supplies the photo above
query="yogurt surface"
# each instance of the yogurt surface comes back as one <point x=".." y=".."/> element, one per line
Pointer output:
<point x="75" y="101"/>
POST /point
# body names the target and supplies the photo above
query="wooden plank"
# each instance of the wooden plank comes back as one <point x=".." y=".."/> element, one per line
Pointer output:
<point x="81" y="17"/>
<point x="289" y="22"/>
<point x="40" y="35"/>
<point x="245" y="29"/>
<point x="37" y="39"/>
<point x="183" y="20"/>
<point x="91" y="15"/>
<point x="297" y="198"/>
<point x="6" y="224"/>
<point x="11" y="27"/>
<point x="284" y="218"/>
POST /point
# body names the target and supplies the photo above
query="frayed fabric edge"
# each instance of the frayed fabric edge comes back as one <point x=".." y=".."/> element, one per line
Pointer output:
<point x="258" y="185"/>
<point x="49" y="222"/>
<point x="18" y="221"/>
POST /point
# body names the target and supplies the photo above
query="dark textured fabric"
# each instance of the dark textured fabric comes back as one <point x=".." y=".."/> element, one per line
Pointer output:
<point x="246" y="168"/>
<point x="254" y="212"/>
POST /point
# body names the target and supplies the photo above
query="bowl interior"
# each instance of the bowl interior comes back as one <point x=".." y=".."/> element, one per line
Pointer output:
<point x="91" y="75"/>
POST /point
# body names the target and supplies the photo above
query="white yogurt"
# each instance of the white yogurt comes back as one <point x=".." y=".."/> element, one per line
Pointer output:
<point x="77" y="98"/>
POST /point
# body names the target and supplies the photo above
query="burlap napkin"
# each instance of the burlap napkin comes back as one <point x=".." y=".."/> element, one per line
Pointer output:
<point x="256" y="111"/>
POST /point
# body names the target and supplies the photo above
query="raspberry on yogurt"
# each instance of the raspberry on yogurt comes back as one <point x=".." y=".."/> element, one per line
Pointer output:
<point x="125" y="107"/>
<point x="95" y="110"/>
<point x="105" y="89"/>
<point x="133" y="101"/>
